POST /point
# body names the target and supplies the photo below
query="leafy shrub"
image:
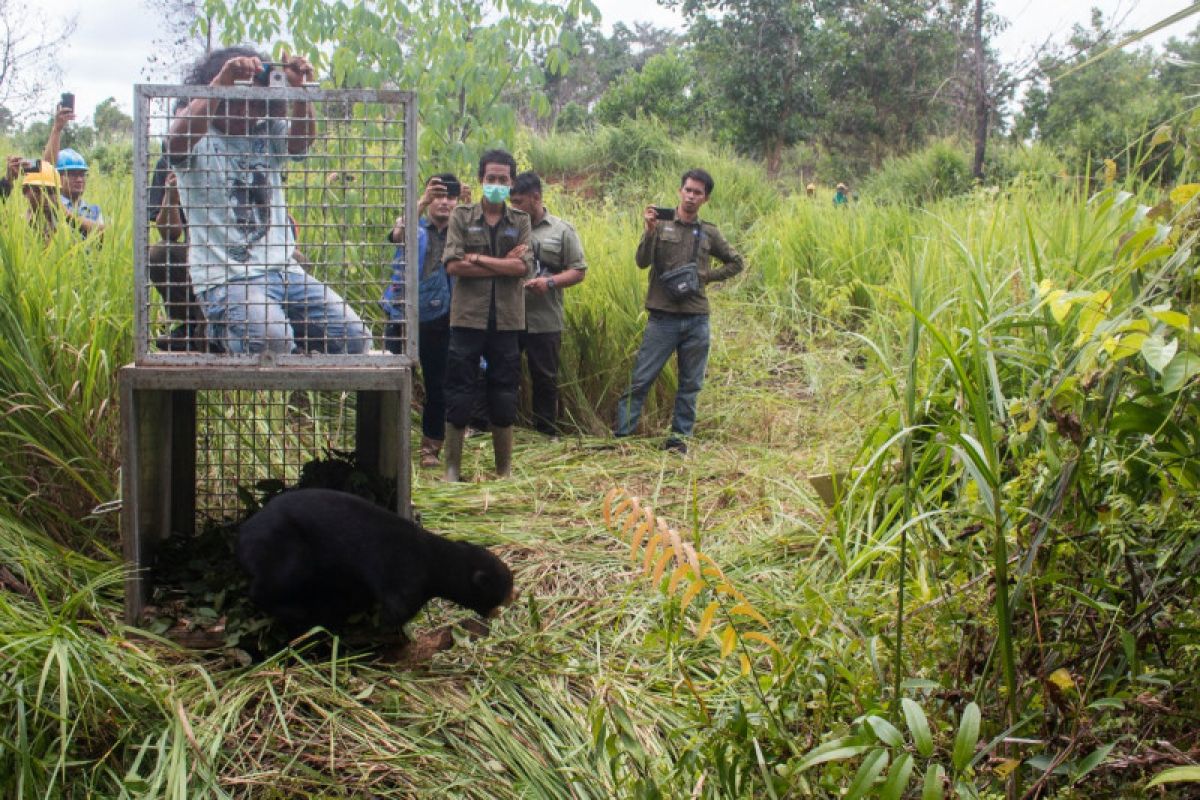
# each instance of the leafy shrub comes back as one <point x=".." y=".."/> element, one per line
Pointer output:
<point x="659" y="90"/>
<point x="1011" y="161"/>
<point x="941" y="170"/>
<point x="113" y="158"/>
<point x="573" y="117"/>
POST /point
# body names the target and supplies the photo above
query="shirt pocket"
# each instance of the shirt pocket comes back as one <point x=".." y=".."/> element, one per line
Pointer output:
<point x="670" y="233"/>
<point x="476" y="240"/>
<point x="551" y="255"/>
<point x="506" y="240"/>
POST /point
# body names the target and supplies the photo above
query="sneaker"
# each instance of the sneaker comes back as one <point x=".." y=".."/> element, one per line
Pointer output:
<point x="675" y="445"/>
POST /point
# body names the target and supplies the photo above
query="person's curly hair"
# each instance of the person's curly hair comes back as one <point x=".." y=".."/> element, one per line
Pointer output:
<point x="207" y="68"/>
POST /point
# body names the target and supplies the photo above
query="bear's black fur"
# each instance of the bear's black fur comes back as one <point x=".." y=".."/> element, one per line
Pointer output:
<point x="317" y="557"/>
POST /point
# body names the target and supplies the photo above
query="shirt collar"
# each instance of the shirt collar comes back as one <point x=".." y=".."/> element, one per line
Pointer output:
<point x="477" y="213"/>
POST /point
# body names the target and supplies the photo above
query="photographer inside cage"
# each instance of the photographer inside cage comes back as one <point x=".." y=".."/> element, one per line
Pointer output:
<point x="229" y="157"/>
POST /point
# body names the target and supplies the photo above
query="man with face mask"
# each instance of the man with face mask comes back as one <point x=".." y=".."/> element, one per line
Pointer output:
<point x="487" y="253"/>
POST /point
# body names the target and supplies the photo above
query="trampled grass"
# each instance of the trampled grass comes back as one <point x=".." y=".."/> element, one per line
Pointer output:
<point x="594" y="683"/>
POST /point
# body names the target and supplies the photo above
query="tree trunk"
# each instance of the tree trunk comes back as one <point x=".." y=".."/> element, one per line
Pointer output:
<point x="774" y="156"/>
<point x="981" y="99"/>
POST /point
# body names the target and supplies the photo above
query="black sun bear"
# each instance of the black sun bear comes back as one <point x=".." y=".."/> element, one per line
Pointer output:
<point x="318" y="557"/>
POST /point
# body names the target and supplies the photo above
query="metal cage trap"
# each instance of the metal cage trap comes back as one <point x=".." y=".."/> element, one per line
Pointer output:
<point x="261" y="254"/>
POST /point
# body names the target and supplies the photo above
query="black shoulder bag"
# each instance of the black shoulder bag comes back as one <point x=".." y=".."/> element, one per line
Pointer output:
<point x="683" y="283"/>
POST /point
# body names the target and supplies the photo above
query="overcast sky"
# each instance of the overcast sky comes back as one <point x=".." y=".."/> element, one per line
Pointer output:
<point x="107" y="53"/>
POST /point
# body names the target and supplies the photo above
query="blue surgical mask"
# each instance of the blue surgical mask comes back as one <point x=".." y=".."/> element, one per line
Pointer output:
<point x="495" y="192"/>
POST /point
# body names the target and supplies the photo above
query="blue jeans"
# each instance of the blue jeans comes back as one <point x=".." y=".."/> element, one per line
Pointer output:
<point x="686" y="335"/>
<point x="283" y="313"/>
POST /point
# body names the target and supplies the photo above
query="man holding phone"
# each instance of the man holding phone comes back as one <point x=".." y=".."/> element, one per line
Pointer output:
<point x="442" y="194"/>
<point x="229" y="158"/>
<point x="87" y="218"/>
<point x="677" y="246"/>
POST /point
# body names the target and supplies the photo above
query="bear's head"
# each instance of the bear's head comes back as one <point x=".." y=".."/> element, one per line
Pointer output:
<point x="491" y="583"/>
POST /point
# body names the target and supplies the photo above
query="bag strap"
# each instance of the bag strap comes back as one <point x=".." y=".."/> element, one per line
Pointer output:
<point x="697" y="232"/>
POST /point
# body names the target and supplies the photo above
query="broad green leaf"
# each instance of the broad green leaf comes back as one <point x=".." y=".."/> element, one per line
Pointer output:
<point x="1158" y="352"/>
<point x="1092" y="313"/>
<point x="1093" y="760"/>
<point x="897" y="779"/>
<point x="867" y="774"/>
<point x="886" y="731"/>
<point x="1183" y="367"/>
<point x="838" y="749"/>
<point x="1121" y="347"/>
<point x="918" y="725"/>
<point x="1162" y="135"/>
<point x="1176" y="319"/>
<point x="1189" y="774"/>
<point x="967" y="737"/>
<point x="1131" y="417"/>
<point x="1060" y="305"/>
<point x="933" y="788"/>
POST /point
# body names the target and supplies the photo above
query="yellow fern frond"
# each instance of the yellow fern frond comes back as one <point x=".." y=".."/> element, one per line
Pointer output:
<point x="651" y="548"/>
<point x="755" y="636"/>
<point x="635" y="513"/>
<point x="676" y="543"/>
<point x="747" y="610"/>
<point x="635" y="543"/>
<point x="613" y="494"/>
<point x="679" y="573"/>
<point x="728" y="641"/>
<point x="661" y="566"/>
<point x="706" y="619"/>
<point x="690" y="593"/>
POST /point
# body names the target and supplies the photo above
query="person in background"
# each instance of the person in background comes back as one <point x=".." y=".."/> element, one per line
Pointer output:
<point x="811" y="190"/>
<point x="441" y="196"/>
<point x="488" y="254"/>
<point x="674" y="240"/>
<point x="73" y="171"/>
<point x="39" y="184"/>
<point x="841" y="197"/>
<point x="167" y="263"/>
<point x="558" y="263"/>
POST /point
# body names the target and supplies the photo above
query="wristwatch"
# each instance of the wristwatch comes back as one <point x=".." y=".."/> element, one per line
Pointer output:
<point x="550" y="282"/>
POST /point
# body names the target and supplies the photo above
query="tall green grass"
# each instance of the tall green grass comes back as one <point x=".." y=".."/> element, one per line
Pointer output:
<point x="65" y="322"/>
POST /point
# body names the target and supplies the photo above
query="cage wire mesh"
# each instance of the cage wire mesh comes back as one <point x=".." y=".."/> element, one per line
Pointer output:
<point x="293" y="190"/>
<point x="298" y="184"/>
<point x="247" y="440"/>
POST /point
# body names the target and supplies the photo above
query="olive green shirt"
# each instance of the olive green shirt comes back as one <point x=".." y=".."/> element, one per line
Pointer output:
<point x="670" y="245"/>
<point x="556" y="247"/>
<point x="473" y="298"/>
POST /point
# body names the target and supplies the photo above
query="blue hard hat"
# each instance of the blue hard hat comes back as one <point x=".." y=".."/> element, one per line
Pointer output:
<point x="69" y="159"/>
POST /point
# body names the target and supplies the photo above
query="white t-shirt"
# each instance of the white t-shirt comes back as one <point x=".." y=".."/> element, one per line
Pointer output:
<point x="231" y="190"/>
